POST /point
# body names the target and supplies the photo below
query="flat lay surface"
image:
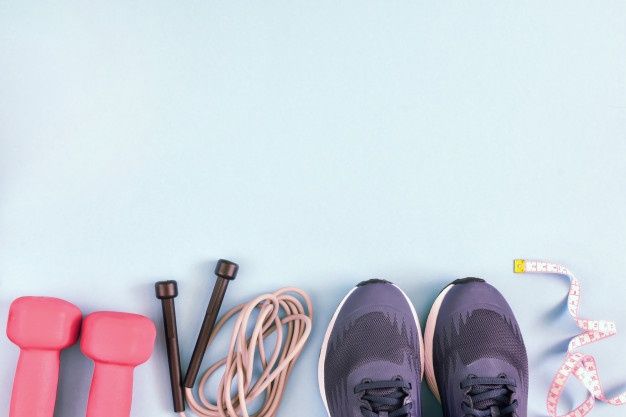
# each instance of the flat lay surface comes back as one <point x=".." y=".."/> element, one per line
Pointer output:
<point x="317" y="144"/>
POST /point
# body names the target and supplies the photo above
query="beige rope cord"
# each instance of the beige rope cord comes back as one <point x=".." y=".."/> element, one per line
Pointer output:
<point x="239" y="363"/>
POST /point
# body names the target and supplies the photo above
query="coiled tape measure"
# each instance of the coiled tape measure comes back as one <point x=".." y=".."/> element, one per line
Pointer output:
<point x="581" y="365"/>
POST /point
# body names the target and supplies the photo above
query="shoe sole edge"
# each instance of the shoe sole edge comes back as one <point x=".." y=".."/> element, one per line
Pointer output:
<point x="429" y="333"/>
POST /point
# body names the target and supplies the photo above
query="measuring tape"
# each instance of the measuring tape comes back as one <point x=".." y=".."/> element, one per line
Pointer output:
<point x="581" y="365"/>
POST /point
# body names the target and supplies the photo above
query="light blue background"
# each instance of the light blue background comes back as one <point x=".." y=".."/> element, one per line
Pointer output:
<point x="318" y="144"/>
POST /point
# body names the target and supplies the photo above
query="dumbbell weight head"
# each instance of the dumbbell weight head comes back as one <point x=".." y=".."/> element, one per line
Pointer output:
<point x="43" y="323"/>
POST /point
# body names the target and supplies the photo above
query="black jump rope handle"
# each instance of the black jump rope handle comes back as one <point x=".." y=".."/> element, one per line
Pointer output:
<point x="166" y="291"/>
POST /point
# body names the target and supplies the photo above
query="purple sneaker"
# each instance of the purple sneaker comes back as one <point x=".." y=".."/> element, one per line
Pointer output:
<point x="372" y="357"/>
<point x="476" y="362"/>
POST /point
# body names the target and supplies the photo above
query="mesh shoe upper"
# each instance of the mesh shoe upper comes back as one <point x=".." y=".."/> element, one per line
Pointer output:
<point x="372" y="361"/>
<point x="479" y="357"/>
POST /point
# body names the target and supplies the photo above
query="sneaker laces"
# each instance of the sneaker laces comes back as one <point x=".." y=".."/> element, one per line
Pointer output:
<point x="385" y="398"/>
<point x="489" y="397"/>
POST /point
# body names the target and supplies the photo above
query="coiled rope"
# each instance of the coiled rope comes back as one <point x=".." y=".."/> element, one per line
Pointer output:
<point x="280" y="312"/>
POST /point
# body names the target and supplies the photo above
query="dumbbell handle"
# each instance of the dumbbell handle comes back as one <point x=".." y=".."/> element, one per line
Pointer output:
<point x="111" y="391"/>
<point x="35" y="383"/>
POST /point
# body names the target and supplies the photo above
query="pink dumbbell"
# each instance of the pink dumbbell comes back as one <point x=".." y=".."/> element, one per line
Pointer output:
<point x="41" y="327"/>
<point x="117" y="343"/>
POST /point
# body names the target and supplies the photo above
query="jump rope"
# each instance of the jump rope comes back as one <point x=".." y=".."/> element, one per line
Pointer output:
<point x="281" y="315"/>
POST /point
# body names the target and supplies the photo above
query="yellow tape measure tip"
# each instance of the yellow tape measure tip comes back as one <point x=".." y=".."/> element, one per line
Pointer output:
<point x="519" y="266"/>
